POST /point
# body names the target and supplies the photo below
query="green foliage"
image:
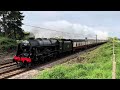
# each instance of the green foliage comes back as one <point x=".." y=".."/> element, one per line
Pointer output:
<point x="11" y="22"/>
<point x="115" y="38"/>
<point x="96" y="65"/>
<point x="75" y="71"/>
<point x="7" y="44"/>
<point x="26" y="35"/>
<point x="30" y="36"/>
<point x="111" y="39"/>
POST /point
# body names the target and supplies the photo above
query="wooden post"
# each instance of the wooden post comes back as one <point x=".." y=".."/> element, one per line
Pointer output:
<point x="114" y="63"/>
<point x="114" y="68"/>
<point x="113" y="46"/>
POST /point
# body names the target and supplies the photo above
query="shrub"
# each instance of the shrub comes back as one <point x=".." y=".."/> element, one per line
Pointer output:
<point x="7" y="44"/>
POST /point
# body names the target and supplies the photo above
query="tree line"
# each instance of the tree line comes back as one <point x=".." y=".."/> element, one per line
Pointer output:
<point x="11" y="23"/>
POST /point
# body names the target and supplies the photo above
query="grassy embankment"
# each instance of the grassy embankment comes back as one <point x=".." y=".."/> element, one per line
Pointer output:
<point x="96" y="64"/>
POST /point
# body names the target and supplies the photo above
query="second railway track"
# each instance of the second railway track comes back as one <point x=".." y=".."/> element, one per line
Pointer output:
<point x="7" y="65"/>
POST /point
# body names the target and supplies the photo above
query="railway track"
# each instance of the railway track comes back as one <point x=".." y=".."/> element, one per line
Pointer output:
<point x="10" y="69"/>
<point x="9" y="60"/>
<point x="7" y="65"/>
<point x="49" y="64"/>
<point x="7" y="68"/>
<point x="12" y="73"/>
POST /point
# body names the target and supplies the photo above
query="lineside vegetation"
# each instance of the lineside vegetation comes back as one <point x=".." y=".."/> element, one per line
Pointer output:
<point x="96" y="64"/>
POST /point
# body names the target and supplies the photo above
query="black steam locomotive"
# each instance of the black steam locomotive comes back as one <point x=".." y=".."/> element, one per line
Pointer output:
<point x="41" y="49"/>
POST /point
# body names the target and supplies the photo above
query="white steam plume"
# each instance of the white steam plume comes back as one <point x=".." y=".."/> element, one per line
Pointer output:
<point x="75" y="31"/>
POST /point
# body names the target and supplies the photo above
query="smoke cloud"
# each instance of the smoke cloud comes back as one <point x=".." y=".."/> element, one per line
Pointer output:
<point x="67" y="30"/>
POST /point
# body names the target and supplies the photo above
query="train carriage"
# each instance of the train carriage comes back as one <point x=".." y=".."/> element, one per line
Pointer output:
<point x="78" y="44"/>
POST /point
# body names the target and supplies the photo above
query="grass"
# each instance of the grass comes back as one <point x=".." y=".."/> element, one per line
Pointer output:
<point x="97" y="64"/>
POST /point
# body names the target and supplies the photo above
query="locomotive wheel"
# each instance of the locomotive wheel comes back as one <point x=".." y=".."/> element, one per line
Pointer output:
<point x="42" y="60"/>
<point x="45" y="59"/>
<point x="55" y="56"/>
<point x="27" y="65"/>
<point x="20" y="64"/>
<point x="48" y="59"/>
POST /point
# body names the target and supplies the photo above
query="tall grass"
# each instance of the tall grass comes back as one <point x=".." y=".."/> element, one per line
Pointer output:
<point x="96" y="65"/>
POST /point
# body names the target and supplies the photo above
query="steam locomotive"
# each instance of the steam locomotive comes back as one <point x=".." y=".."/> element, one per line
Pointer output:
<point x="40" y="49"/>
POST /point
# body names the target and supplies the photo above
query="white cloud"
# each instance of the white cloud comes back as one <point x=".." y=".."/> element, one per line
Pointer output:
<point x="101" y="35"/>
<point x="90" y="21"/>
<point x="76" y="30"/>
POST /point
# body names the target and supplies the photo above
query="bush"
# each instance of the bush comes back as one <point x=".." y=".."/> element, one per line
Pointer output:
<point x="7" y="44"/>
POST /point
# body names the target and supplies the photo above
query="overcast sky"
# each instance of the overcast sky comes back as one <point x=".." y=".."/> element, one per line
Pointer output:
<point x="84" y="23"/>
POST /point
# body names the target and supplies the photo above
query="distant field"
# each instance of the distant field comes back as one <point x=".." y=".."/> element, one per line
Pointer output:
<point x="96" y="64"/>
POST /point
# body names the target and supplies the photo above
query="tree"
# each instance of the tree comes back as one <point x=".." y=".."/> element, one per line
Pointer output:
<point x="0" y="28"/>
<point x="15" y="22"/>
<point x="115" y="38"/>
<point x="3" y="21"/>
<point x="11" y="22"/>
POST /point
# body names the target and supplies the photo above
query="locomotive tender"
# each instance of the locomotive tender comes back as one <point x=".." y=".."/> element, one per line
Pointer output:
<point x="41" y="49"/>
